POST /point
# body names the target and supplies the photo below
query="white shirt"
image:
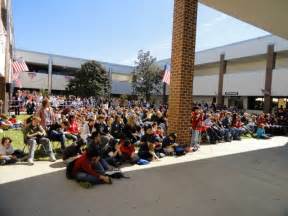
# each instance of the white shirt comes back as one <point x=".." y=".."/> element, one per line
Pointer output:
<point x="6" y="151"/>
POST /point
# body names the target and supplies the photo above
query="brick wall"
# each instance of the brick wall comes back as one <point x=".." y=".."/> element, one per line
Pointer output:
<point x="182" y="68"/>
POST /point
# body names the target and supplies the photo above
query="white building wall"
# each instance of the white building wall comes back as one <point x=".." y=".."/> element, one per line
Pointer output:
<point x="59" y="82"/>
<point x="280" y="76"/>
<point x="32" y="57"/>
<point x="205" y="85"/>
<point x="121" y="87"/>
<point x="40" y="81"/>
<point x="280" y="82"/>
<point x="246" y="84"/>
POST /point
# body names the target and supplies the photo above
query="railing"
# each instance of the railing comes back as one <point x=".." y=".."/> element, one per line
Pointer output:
<point x="20" y="105"/>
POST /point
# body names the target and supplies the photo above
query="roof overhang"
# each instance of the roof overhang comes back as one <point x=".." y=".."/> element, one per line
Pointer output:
<point x="269" y="15"/>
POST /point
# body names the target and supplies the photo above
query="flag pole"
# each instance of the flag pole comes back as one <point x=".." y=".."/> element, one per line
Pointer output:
<point x="164" y="88"/>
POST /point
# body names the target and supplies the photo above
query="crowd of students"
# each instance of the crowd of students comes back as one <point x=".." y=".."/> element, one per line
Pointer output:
<point x="105" y="135"/>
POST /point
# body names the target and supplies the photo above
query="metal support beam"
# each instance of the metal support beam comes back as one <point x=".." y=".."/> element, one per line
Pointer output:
<point x="270" y="64"/>
<point x="222" y="71"/>
<point x="50" y="75"/>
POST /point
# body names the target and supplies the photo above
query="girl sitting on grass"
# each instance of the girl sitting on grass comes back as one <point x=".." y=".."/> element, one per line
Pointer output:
<point x="7" y="153"/>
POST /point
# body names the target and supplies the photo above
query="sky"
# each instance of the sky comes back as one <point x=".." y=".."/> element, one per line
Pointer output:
<point x="114" y="30"/>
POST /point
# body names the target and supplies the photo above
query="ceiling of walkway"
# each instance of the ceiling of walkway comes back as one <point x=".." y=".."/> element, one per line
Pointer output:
<point x="269" y="15"/>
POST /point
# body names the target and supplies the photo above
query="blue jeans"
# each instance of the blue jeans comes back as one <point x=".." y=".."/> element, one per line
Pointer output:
<point x="195" y="139"/>
<point x="82" y="176"/>
<point x="101" y="166"/>
<point x="58" y="136"/>
<point x="236" y="133"/>
<point x="45" y="142"/>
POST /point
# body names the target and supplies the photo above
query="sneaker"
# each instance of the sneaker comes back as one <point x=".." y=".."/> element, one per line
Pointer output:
<point x="30" y="161"/>
<point x="111" y="172"/>
<point x="85" y="184"/>
<point x="52" y="158"/>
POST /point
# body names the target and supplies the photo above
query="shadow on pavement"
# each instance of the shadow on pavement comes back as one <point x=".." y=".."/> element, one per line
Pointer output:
<point x="251" y="183"/>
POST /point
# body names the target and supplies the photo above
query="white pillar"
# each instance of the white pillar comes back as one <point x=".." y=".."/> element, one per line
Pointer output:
<point x="49" y="75"/>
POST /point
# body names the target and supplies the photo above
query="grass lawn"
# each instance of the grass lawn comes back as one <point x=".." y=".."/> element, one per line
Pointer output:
<point x="18" y="140"/>
<point x="15" y="135"/>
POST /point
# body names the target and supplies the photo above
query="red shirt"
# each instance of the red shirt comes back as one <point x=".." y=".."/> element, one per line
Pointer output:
<point x="129" y="150"/>
<point x="261" y="120"/>
<point x="196" y="121"/>
<point x="73" y="129"/>
<point x="13" y="120"/>
<point x="238" y="124"/>
<point x="83" y="164"/>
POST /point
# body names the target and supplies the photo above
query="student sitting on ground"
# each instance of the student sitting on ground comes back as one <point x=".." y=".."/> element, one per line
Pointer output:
<point x="147" y="145"/>
<point x="127" y="152"/>
<point x="73" y="151"/>
<point x="169" y="144"/>
<point x="7" y="153"/>
<point x="260" y="133"/>
<point x="87" y="129"/>
<point x="83" y="169"/>
<point x="97" y="142"/>
<point x="56" y="133"/>
<point x="72" y="128"/>
<point x="170" y="147"/>
<point x="35" y="135"/>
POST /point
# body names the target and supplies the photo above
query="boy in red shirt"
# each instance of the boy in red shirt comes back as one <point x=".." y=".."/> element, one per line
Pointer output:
<point x="84" y="172"/>
<point x="196" y="124"/>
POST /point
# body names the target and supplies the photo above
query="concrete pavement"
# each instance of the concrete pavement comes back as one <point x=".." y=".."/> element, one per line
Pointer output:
<point x="239" y="178"/>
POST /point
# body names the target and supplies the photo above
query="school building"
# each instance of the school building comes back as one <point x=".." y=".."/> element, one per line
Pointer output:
<point x="238" y="70"/>
<point x="53" y="72"/>
<point x="236" y="73"/>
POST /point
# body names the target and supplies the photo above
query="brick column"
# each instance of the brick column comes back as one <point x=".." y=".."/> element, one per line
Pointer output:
<point x="182" y="68"/>
<point x="222" y="71"/>
<point x="270" y="64"/>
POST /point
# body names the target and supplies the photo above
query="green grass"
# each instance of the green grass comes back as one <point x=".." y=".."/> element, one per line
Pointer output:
<point x="15" y="135"/>
<point x="18" y="140"/>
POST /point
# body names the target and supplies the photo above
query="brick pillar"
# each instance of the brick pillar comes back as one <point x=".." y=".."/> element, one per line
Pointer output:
<point x="222" y="71"/>
<point x="182" y="69"/>
<point x="270" y="63"/>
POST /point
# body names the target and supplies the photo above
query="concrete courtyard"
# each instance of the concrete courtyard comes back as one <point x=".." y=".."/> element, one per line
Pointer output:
<point x="248" y="177"/>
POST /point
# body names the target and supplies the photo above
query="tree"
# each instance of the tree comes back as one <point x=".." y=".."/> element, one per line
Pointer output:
<point x="146" y="77"/>
<point x="90" y="80"/>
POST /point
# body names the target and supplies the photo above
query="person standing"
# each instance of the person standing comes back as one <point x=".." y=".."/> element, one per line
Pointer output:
<point x="196" y="121"/>
<point x="46" y="114"/>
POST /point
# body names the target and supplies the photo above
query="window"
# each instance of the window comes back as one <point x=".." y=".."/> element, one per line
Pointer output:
<point x="38" y="68"/>
<point x="255" y="103"/>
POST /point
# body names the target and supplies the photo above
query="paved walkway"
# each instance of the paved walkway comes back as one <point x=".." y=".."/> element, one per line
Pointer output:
<point x="248" y="177"/>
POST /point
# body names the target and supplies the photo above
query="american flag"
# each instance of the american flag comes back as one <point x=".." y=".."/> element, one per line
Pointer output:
<point x="167" y="73"/>
<point x="19" y="66"/>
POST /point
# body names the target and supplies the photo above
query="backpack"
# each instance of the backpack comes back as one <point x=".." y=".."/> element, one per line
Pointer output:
<point x="69" y="170"/>
<point x="179" y="151"/>
<point x="142" y="162"/>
